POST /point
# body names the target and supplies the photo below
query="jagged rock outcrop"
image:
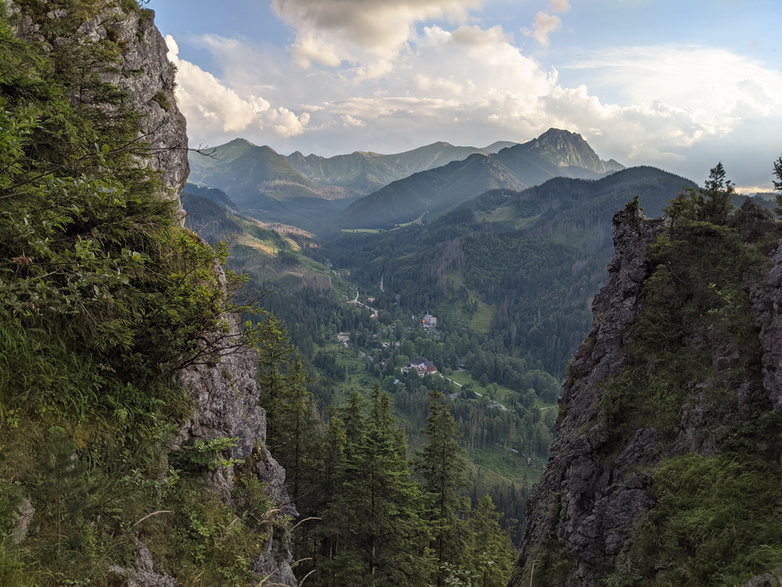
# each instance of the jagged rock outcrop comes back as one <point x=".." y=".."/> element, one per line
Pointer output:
<point x="768" y="316"/>
<point x="145" y="74"/>
<point x="569" y="149"/>
<point x="579" y="501"/>
<point x="601" y="484"/>
<point x="224" y="388"/>
<point x="226" y="394"/>
<point x="148" y="77"/>
<point x="222" y="384"/>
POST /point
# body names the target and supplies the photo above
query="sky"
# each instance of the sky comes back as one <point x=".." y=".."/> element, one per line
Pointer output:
<point x="678" y="84"/>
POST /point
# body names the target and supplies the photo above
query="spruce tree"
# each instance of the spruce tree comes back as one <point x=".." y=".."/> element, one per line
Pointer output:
<point x="337" y="561"/>
<point x="442" y="463"/>
<point x="393" y="502"/>
<point x="372" y="527"/>
<point x="711" y="203"/>
<point x="778" y="186"/>
<point x="292" y="425"/>
<point x="716" y="196"/>
<point x="275" y="351"/>
<point x="491" y="553"/>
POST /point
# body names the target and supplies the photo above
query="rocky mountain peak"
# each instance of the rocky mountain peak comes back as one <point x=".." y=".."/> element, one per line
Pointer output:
<point x="566" y="149"/>
<point x="662" y="416"/>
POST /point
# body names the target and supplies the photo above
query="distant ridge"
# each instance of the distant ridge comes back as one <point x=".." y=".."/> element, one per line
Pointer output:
<point x="253" y="175"/>
<point x="249" y="174"/>
<point x="555" y="153"/>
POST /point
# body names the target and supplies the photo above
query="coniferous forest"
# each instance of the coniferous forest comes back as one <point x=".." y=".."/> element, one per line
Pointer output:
<point x="215" y="385"/>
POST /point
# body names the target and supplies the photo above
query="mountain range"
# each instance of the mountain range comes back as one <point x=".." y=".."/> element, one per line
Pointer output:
<point x="555" y="153"/>
<point x="252" y="174"/>
<point x="368" y="190"/>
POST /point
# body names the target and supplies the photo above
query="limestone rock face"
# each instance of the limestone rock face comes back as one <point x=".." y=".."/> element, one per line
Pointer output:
<point x="144" y="73"/>
<point x="579" y="501"/>
<point x="224" y="388"/>
<point x="147" y="76"/>
<point x="583" y="513"/>
<point x="767" y="309"/>
<point x="226" y="395"/>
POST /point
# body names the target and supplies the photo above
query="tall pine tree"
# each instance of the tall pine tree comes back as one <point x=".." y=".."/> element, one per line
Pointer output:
<point x="442" y="463"/>
<point x="372" y="527"/>
<point x="292" y="425"/>
<point x="778" y="186"/>
<point x="716" y="196"/>
<point x="491" y="553"/>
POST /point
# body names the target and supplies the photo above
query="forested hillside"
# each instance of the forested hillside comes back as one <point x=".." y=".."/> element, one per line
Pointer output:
<point x="665" y="467"/>
<point x="114" y="468"/>
<point x="507" y="442"/>
<point x="505" y="327"/>
<point x="521" y="267"/>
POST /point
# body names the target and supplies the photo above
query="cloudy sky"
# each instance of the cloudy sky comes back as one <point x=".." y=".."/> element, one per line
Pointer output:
<point x="679" y="84"/>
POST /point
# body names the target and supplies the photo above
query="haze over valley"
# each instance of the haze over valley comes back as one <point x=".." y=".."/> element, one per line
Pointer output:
<point x="399" y="292"/>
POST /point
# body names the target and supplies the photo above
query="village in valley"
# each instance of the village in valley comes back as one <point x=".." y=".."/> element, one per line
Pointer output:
<point x="417" y="365"/>
<point x="395" y="344"/>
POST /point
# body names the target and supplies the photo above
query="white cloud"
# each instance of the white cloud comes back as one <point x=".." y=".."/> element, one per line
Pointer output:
<point x="215" y="111"/>
<point x="447" y="85"/>
<point x="546" y="23"/>
<point x="352" y="121"/>
<point x="308" y="48"/>
<point x="366" y="32"/>
<point x="715" y="87"/>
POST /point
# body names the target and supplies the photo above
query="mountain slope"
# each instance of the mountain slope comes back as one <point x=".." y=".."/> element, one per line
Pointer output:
<point x="410" y="198"/>
<point x="253" y="175"/>
<point x="664" y="469"/>
<point x="533" y="258"/>
<point x="555" y="153"/>
<point x="560" y="148"/>
<point x="250" y="175"/>
<point x="362" y="172"/>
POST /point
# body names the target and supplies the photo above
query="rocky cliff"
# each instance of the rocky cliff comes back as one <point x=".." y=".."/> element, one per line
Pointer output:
<point x="665" y="464"/>
<point x="224" y="385"/>
<point x="222" y="382"/>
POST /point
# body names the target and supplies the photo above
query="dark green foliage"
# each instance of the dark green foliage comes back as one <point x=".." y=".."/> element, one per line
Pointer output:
<point x="371" y="531"/>
<point x="778" y="186"/>
<point x="490" y="552"/>
<point x="691" y="348"/>
<point x="697" y="285"/>
<point x="717" y="194"/>
<point x="711" y="203"/>
<point x="442" y="465"/>
<point x="366" y="521"/>
<point x="104" y="297"/>
<point x="716" y="521"/>
<point x="203" y="456"/>
<point x="205" y="540"/>
<point x="291" y="422"/>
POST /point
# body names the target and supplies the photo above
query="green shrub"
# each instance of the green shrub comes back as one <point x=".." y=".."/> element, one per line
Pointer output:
<point x="716" y="522"/>
<point x="103" y="298"/>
